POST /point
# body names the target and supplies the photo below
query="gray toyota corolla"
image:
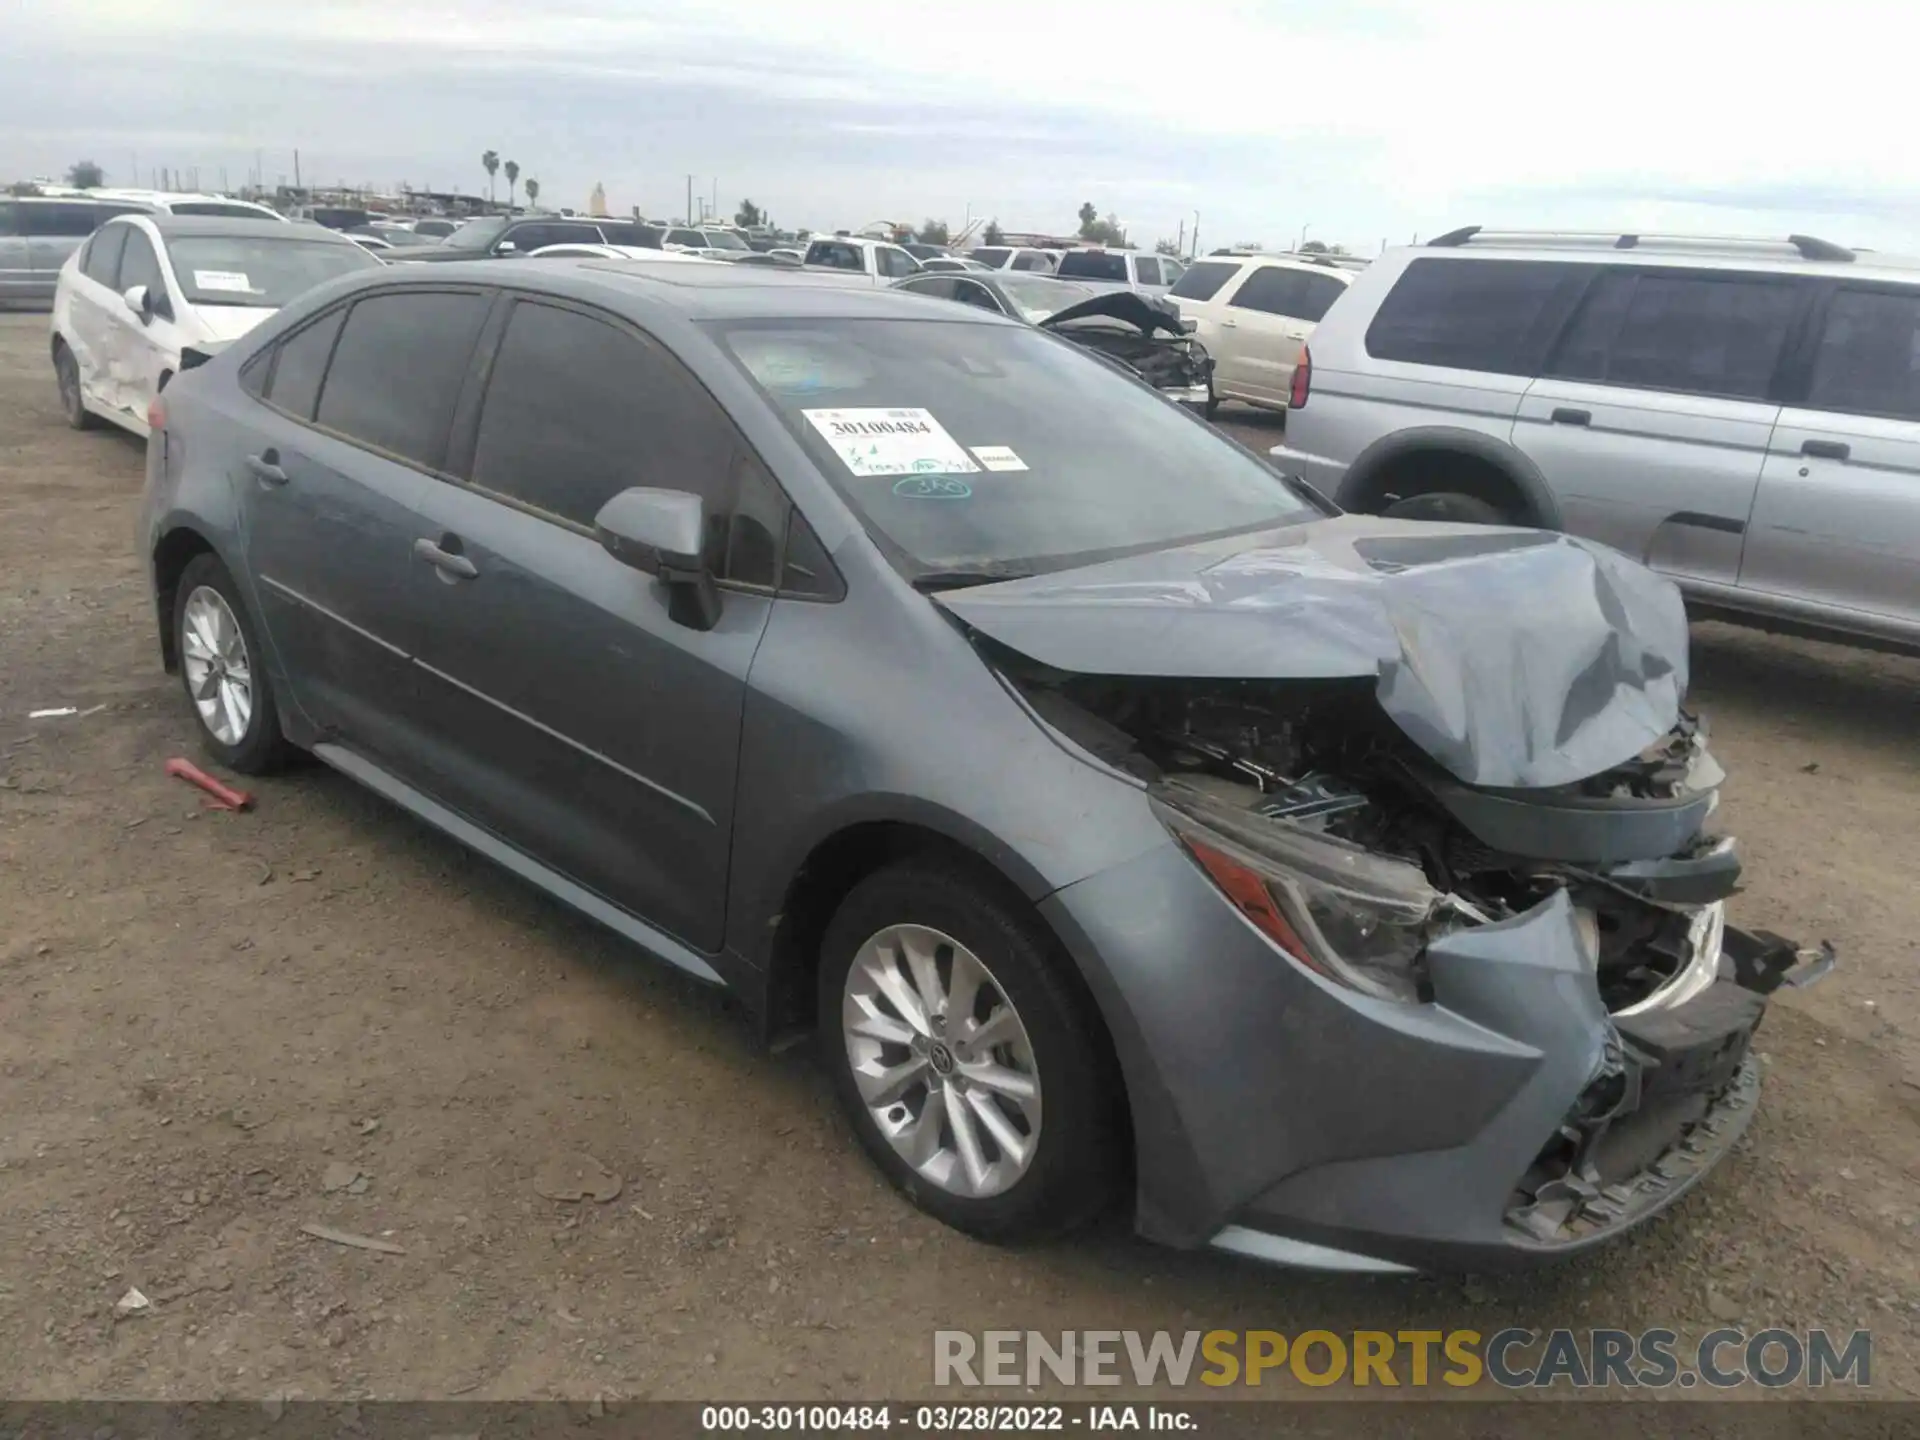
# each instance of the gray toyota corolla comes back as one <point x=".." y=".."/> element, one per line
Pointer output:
<point x="1120" y="815"/>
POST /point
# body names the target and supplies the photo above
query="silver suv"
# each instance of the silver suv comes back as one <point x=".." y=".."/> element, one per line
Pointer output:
<point x="1744" y="416"/>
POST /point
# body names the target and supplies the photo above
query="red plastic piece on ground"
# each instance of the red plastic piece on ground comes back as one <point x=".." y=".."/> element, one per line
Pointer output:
<point x="224" y="798"/>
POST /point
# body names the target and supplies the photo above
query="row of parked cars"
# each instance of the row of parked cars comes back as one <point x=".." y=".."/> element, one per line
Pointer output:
<point x="1130" y="824"/>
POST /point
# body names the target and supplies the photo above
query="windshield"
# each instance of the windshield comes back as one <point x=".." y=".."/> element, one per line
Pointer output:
<point x="1038" y="297"/>
<point x="260" y="271"/>
<point x="723" y="240"/>
<point x="965" y="447"/>
<point x="477" y="234"/>
<point x="992" y="258"/>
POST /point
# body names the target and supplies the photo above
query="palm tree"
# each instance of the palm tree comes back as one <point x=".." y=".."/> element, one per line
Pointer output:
<point x="512" y="168"/>
<point x="533" y="192"/>
<point x="491" y="163"/>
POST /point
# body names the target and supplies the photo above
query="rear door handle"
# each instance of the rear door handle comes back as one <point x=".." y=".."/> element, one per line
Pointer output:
<point x="1826" y="449"/>
<point x="1229" y="324"/>
<point x="1564" y="416"/>
<point x="445" y="561"/>
<point x="266" y="468"/>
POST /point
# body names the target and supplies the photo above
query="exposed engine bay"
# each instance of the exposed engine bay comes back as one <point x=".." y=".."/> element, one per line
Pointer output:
<point x="1144" y="334"/>
<point x="1353" y="850"/>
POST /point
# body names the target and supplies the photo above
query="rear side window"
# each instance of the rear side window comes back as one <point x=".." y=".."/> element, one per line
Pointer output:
<point x="1271" y="290"/>
<point x="991" y="255"/>
<point x="1699" y="332"/>
<point x="625" y="232"/>
<point x="1149" y="269"/>
<point x="397" y="371"/>
<point x="840" y="257"/>
<point x="1092" y="265"/>
<point x="1868" y="362"/>
<point x="294" y="385"/>
<point x="1317" y="294"/>
<point x="1469" y="314"/>
<point x="102" y="263"/>
<point x="1203" y="280"/>
<point x="1035" y="261"/>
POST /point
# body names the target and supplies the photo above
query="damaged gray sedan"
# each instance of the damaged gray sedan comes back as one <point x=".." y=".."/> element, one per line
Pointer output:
<point x="1123" y="820"/>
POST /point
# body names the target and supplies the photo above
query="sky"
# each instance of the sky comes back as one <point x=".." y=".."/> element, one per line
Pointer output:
<point x="1350" y="121"/>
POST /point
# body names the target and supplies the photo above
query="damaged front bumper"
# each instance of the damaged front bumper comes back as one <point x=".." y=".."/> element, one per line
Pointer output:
<point x="1511" y="1120"/>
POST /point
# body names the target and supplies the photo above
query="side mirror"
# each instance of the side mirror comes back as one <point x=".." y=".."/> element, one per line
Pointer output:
<point x="140" y="301"/>
<point x="661" y="533"/>
<point x="506" y="247"/>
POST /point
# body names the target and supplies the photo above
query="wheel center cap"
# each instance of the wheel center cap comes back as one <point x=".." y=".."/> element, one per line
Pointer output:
<point x="940" y="1057"/>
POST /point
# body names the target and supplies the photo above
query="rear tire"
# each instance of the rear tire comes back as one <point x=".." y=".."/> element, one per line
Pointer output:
<point x="223" y="670"/>
<point x="933" y="935"/>
<point x="67" y="371"/>
<point x="1449" y="507"/>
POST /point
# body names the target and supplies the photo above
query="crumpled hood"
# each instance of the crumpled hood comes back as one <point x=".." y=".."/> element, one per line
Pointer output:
<point x="1515" y="658"/>
<point x="222" y="324"/>
<point x="1144" y="311"/>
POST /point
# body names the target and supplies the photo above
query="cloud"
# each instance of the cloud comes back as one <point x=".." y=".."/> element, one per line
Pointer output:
<point x="1368" y="119"/>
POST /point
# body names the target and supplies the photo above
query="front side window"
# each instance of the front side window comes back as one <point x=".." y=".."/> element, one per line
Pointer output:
<point x="835" y="254"/>
<point x="993" y="448"/>
<point x="992" y="256"/>
<point x="1703" y="333"/>
<point x="102" y="262"/>
<point x="578" y="409"/>
<point x="1471" y="314"/>
<point x="1033" y="260"/>
<point x="397" y="371"/>
<point x="692" y="239"/>
<point x="1868" y="362"/>
<point x="894" y="262"/>
<point x="139" y="265"/>
<point x="260" y="271"/>
<point x="1148" y="268"/>
<point x="1203" y="281"/>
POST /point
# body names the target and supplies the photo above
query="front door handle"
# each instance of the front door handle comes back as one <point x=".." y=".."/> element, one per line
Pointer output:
<point x="266" y="468"/>
<point x="1826" y="449"/>
<point x="1564" y="416"/>
<point x="1229" y="324"/>
<point x="445" y="561"/>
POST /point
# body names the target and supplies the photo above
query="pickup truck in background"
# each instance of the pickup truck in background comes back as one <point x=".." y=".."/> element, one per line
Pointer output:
<point x="881" y="261"/>
<point x="1145" y="274"/>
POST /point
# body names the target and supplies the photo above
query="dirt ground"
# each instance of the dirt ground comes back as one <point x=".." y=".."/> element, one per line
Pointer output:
<point x="214" y="1023"/>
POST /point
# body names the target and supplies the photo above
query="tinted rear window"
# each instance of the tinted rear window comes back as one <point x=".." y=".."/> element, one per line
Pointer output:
<point x="397" y="371"/>
<point x="1203" y="281"/>
<point x="1869" y="357"/>
<point x="302" y="361"/>
<point x="61" y="220"/>
<point x="1091" y="265"/>
<point x="1470" y="314"/>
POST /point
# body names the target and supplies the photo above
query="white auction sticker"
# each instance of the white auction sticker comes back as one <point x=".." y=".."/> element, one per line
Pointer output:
<point x="891" y="442"/>
<point x="998" y="457"/>
<point x="232" y="280"/>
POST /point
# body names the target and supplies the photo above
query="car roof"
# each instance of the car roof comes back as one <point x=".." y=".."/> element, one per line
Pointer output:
<point x="173" y="227"/>
<point x="696" y="292"/>
<point x="121" y="202"/>
<point x="1796" y="255"/>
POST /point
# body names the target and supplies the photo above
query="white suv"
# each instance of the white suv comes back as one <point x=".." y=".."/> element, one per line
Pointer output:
<point x="1743" y="416"/>
<point x="1253" y="313"/>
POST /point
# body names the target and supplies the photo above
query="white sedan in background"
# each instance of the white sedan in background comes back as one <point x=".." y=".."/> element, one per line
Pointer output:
<point x="581" y="250"/>
<point x="147" y="287"/>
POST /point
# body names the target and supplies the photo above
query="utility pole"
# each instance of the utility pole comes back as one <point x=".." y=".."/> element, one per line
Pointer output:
<point x="296" y="169"/>
<point x="689" y="214"/>
<point x="716" y="196"/>
<point x="1194" y="254"/>
<point x="1180" y="243"/>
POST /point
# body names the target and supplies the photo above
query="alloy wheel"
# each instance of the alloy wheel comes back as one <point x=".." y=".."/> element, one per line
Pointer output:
<point x="942" y="1061"/>
<point x="219" y="671"/>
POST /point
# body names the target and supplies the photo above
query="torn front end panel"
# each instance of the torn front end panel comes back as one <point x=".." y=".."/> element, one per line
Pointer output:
<point x="1357" y="854"/>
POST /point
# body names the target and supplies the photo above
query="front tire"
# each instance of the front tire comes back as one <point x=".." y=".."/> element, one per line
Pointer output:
<point x="223" y="670"/>
<point x="67" y="371"/>
<point x="1449" y="507"/>
<point x="970" y="1068"/>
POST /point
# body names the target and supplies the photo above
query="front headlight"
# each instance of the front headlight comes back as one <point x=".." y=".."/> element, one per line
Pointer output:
<point x="1360" y="919"/>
